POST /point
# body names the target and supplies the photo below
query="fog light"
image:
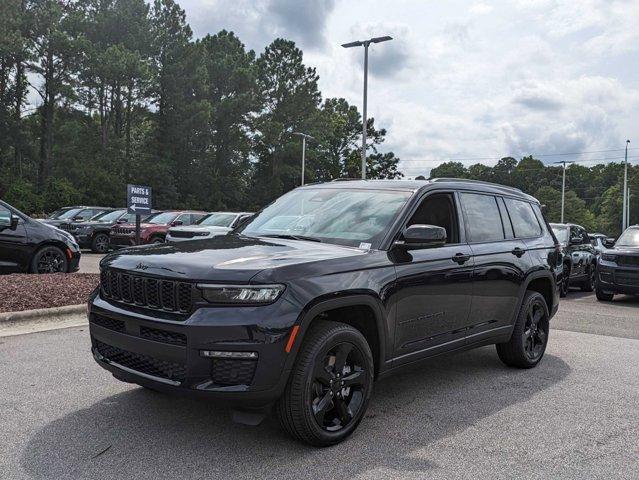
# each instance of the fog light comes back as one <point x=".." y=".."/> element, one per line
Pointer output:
<point x="221" y="354"/>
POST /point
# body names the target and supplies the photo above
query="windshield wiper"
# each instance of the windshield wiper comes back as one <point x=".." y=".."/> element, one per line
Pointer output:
<point x="293" y="237"/>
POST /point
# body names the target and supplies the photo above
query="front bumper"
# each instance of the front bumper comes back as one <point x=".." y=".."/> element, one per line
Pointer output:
<point x="612" y="278"/>
<point x="149" y="349"/>
<point x="120" y="241"/>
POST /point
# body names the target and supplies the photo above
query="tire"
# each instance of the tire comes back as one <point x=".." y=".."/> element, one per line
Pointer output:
<point x="589" y="283"/>
<point x="316" y="390"/>
<point x="527" y="345"/>
<point x="100" y="243"/>
<point x="49" y="259"/>
<point x="603" y="296"/>
<point x="156" y="240"/>
<point x="565" y="282"/>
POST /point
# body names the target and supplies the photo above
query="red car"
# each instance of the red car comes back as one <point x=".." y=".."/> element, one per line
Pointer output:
<point x="153" y="228"/>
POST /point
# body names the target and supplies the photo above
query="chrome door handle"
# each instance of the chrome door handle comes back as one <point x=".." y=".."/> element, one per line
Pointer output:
<point x="460" y="258"/>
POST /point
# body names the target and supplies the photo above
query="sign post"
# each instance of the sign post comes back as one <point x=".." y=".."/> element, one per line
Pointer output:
<point x="138" y="202"/>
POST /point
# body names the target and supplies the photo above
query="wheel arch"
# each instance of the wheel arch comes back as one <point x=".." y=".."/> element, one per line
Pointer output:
<point x="365" y="313"/>
<point x="542" y="282"/>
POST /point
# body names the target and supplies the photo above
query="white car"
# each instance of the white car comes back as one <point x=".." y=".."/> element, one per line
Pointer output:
<point x="214" y="224"/>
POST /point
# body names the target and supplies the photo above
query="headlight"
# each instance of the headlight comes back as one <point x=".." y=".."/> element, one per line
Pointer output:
<point x="241" y="294"/>
<point x="609" y="257"/>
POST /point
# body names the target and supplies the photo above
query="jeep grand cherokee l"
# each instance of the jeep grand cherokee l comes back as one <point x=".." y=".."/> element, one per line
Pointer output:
<point x="325" y="290"/>
<point x="579" y="258"/>
<point x="618" y="266"/>
<point x="153" y="229"/>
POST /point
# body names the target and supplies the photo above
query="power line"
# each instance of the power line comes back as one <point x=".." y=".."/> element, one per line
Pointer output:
<point x="429" y="160"/>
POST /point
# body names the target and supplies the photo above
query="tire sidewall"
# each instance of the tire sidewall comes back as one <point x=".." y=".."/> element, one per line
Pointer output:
<point x="531" y="297"/>
<point x="94" y="242"/>
<point x="349" y="335"/>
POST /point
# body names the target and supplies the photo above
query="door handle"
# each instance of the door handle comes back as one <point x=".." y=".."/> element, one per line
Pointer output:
<point x="460" y="258"/>
<point x="518" y="252"/>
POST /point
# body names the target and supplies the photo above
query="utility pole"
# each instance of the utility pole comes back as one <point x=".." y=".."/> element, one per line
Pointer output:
<point x="563" y="187"/>
<point x="624" y="220"/>
<point x="630" y="195"/>
<point x="365" y="44"/>
<point x="304" y="137"/>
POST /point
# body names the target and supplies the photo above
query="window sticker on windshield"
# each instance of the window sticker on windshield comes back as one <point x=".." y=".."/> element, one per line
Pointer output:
<point x="365" y="246"/>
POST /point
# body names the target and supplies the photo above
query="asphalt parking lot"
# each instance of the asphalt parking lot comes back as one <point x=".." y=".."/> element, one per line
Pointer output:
<point x="463" y="416"/>
<point x="90" y="262"/>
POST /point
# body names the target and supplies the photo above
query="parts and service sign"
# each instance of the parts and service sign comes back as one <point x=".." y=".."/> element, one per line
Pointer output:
<point x="138" y="199"/>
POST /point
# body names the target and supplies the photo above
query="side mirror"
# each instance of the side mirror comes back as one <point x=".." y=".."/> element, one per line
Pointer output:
<point x="10" y="222"/>
<point x="78" y="218"/>
<point x="609" y="242"/>
<point x="576" y="241"/>
<point x="423" y="236"/>
<point x="121" y="220"/>
<point x="177" y="223"/>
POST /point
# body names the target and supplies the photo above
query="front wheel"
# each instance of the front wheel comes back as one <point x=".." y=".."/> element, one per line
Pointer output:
<point x="49" y="259"/>
<point x="100" y="243"/>
<point x="330" y="386"/>
<point x="603" y="296"/>
<point x="565" y="283"/>
<point x="527" y="344"/>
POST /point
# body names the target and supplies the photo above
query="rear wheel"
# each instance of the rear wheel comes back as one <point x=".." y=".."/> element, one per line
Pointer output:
<point x="527" y="345"/>
<point x="100" y="243"/>
<point x="157" y="240"/>
<point x="589" y="282"/>
<point x="330" y="386"/>
<point x="49" y="259"/>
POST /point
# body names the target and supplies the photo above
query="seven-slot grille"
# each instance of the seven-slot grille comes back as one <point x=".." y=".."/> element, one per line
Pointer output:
<point x="121" y="231"/>
<point x="147" y="292"/>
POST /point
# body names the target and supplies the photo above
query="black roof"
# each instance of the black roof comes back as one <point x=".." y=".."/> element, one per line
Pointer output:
<point x="417" y="185"/>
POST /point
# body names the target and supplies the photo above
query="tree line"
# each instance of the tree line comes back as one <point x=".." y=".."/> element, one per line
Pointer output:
<point x="593" y="195"/>
<point x="125" y="94"/>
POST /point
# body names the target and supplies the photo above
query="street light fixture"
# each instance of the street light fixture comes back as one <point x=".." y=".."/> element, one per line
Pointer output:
<point x="365" y="44"/>
<point x="304" y="137"/>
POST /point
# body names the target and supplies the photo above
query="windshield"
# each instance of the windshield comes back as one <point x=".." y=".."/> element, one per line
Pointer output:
<point x="55" y="215"/>
<point x="629" y="238"/>
<point x="218" y="220"/>
<point x="109" y="216"/>
<point x="332" y="215"/>
<point x="70" y="213"/>
<point x="161" y="218"/>
<point x="561" y="232"/>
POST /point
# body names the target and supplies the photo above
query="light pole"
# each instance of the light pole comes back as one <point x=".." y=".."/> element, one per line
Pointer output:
<point x="624" y="220"/>
<point x="304" y="137"/>
<point x="365" y="44"/>
<point x="563" y="187"/>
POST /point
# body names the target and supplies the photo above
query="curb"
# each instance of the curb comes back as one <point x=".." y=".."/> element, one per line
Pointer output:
<point x="48" y="314"/>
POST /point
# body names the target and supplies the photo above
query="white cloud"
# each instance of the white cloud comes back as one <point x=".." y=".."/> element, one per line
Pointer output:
<point x="480" y="8"/>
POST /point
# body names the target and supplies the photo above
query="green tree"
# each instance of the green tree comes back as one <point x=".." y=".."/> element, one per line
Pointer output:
<point x="449" y="170"/>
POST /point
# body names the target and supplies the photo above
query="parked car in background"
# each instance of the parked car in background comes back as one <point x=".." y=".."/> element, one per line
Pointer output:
<point x="153" y="229"/>
<point x="94" y="234"/>
<point x="68" y="219"/>
<point x="30" y="246"/>
<point x="579" y="258"/>
<point x="618" y="266"/>
<point x="57" y="213"/>
<point x="214" y="224"/>
<point x="366" y="277"/>
<point x="597" y="241"/>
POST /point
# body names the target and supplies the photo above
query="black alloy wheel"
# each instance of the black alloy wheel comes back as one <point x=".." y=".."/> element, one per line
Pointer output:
<point x="535" y="331"/>
<point x="589" y="283"/>
<point x="339" y="386"/>
<point x="529" y="339"/>
<point x="330" y="385"/>
<point x="49" y="260"/>
<point x="100" y="243"/>
<point x="565" y="283"/>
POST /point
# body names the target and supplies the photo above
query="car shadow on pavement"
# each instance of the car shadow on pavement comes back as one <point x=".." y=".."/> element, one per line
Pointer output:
<point x="619" y="300"/>
<point x="142" y="434"/>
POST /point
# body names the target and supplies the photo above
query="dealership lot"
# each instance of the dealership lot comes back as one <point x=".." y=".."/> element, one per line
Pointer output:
<point x="463" y="416"/>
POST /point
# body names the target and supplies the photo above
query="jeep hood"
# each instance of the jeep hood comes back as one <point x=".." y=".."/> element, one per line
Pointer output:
<point x="224" y="259"/>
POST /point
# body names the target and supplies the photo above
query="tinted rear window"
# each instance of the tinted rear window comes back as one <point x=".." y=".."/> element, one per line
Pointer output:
<point x="523" y="218"/>
<point x="482" y="216"/>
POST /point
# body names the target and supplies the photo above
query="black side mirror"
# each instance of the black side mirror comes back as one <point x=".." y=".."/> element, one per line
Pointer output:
<point x="177" y="223"/>
<point x="576" y="241"/>
<point x="121" y="220"/>
<point x="78" y="218"/>
<point x="609" y="242"/>
<point x="423" y="236"/>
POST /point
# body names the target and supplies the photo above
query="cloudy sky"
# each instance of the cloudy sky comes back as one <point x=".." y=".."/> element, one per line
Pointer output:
<point x="465" y="79"/>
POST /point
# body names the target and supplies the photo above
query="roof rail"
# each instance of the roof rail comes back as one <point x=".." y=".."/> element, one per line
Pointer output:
<point x="345" y="179"/>
<point x="481" y="182"/>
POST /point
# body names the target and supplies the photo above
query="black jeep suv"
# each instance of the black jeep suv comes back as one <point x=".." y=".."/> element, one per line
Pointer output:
<point x="618" y="266"/>
<point x="94" y="234"/>
<point x="327" y="289"/>
<point x="579" y="263"/>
